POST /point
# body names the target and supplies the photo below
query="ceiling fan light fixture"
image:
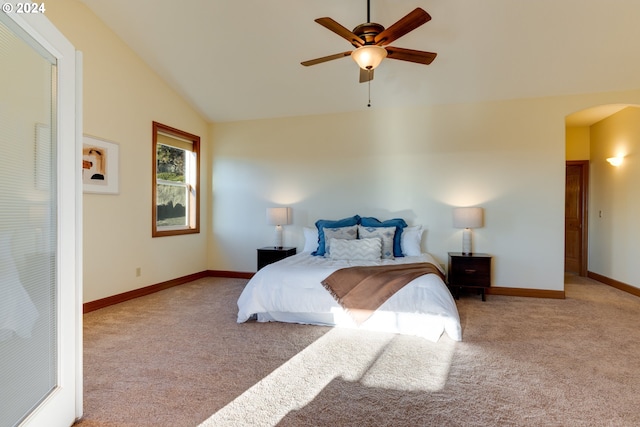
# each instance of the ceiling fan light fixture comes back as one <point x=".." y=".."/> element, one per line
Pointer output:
<point x="369" y="57"/>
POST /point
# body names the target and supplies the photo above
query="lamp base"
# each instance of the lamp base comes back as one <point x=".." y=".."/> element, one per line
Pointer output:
<point x="278" y="237"/>
<point x="466" y="241"/>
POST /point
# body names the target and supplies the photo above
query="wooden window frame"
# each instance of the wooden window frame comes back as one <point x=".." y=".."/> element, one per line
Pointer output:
<point x="193" y="214"/>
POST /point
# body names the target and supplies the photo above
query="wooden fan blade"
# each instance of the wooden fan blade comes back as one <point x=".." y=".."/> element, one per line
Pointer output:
<point x="343" y="32"/>
<point x="410" y="55"/>
<point x="365" y="75"/>
<point x="409" y="23"/>
<point x="325" y="59"/>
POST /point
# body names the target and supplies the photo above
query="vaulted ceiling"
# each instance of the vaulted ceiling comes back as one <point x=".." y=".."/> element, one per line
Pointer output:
<point x="240" y="59"/>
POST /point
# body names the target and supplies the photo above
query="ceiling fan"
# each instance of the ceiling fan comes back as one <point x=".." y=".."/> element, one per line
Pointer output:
<point x="370" y="39"/>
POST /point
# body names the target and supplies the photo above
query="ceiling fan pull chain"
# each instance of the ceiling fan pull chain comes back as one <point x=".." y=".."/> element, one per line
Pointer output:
<point x="369" y="83"/>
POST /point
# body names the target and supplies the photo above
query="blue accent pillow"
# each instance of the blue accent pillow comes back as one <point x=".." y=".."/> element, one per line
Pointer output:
<point x="399" y="223"/>
<point x="325" y="223"/>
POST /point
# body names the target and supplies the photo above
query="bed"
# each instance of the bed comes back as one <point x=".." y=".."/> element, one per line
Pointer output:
<point x="292" y="290"/>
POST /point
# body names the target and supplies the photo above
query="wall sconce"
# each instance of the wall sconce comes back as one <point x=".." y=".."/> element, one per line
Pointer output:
<point x="467" y="218"/>
<point x="278" y="217"/>
<point x="615" y="161"/>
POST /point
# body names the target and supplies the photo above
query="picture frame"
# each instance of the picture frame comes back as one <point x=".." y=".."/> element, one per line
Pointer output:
<point x="100" y="166"/>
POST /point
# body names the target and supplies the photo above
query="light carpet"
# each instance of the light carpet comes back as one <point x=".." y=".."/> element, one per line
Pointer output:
<point x="178" y="358"/>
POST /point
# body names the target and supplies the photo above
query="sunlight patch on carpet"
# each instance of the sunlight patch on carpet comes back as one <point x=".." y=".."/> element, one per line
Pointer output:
<point x="410" y="364"/>
<point x="373" y="359"/>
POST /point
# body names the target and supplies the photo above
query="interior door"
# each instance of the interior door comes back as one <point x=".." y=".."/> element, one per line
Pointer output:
<point x="575" y="234"/>
<point x="40" y="202"/>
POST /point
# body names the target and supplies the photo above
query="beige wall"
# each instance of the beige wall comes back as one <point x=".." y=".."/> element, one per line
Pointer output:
<point x="122" y="96"/>
<point x="508" y="157"/>
<point x="615" y="198"/>
<point x="577" y="140"/>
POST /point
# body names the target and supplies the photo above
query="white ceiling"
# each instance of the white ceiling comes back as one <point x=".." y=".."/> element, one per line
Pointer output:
<point x="239" y="60"/>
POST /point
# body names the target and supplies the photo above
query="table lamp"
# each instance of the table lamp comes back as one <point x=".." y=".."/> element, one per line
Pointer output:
<point x="278" y="217"/>
<point x="467" y="218"/>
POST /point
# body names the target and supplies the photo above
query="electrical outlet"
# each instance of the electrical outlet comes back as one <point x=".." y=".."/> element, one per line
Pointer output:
<point x="138" y="271"/>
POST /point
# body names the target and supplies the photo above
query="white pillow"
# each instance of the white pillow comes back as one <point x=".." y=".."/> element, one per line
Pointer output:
<point x="411" y="240"/>
<point x="385" y="234"/>
<point x="359" y="249"/>
<point x="347" y="233"/>
<point x="310" y="239"/>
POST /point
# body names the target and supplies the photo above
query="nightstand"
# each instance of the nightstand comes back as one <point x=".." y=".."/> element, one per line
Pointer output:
<point x="271" y="254"/>
<point x="469" y="271"/>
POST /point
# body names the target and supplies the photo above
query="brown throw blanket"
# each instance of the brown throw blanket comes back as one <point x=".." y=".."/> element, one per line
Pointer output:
<point x="361" y="290"/>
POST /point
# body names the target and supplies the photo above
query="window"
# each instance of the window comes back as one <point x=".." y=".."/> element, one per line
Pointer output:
<point x="176" y="179"/>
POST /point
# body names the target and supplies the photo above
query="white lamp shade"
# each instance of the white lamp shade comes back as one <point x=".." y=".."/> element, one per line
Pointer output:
<point x="278" y="216"/>
<point x="369" y="57"/>
<point x="467" y="217"/>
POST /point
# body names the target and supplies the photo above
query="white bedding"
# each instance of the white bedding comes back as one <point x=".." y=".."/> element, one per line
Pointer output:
<point x="290" y="291"/>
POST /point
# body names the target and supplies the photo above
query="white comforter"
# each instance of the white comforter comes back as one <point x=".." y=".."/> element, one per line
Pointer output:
<point x="290" y="291"/>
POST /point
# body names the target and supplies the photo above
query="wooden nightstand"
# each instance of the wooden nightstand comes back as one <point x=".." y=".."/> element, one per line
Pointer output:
<point x="469" y="271"/>
<point x="271" y="254"/>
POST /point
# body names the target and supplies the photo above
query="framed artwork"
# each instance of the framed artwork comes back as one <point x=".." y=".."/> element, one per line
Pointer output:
<point x="100" y="166"/>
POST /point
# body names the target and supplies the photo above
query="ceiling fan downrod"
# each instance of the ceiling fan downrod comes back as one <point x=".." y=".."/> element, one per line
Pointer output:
<point x="368" y="11"/>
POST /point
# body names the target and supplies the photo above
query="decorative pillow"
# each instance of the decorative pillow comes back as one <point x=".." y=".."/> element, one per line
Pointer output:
<point x="385" y="234"/>
<point x="310" y="239"/>
<point x="360" y="249"/>
<point x="346" y="233"/>
<point x="411" y="240"/>
<point x="399" y="223"/>
<point x="321" y="224"/>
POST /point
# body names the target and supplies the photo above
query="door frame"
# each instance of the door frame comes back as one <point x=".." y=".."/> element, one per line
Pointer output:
<point x="584" y="205"/>
<point x="64" y="404"/>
